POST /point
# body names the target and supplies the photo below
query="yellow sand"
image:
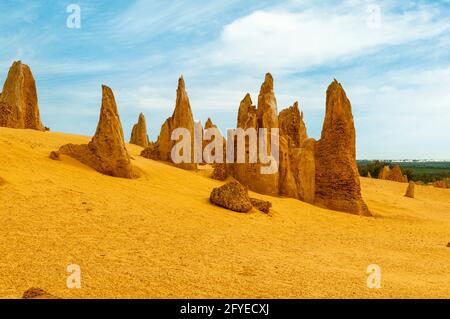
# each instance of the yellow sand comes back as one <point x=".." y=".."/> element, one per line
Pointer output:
<point x="158" y="236"/>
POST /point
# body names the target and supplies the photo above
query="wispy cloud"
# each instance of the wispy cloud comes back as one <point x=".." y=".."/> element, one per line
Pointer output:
<point x="292" y="41"/>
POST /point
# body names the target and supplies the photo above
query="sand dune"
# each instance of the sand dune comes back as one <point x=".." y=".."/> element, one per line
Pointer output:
<point x="159" y="237"/>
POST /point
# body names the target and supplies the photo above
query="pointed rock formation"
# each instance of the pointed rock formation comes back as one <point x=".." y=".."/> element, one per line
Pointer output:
<point x="265" y="116"/>
<point x="384" y="173"/>
<point x="246" y="172"/>
<point x="410" y="190"/>
<point x="292" y="172"/>
<point x="210" y="125"/>
<point x="18" y="100"/>
<point x="337" y="178"/>
<point x="369" y="175"/>
<point x="181" y="118"/>
<point x="267" y="104"/>
<point x="247" y="114"/>
<point x="393" y="174"/>
<point x="292" y="126"/>
<point x="139" y="133"/>
<point x="397" y="175"/>
<point x="106" y="152"/>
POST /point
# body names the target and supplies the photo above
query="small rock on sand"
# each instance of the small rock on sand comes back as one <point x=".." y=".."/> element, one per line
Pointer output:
<point x="37" y="293"/>
<point x="261" y="205"/>
<point x="232" y="196"/>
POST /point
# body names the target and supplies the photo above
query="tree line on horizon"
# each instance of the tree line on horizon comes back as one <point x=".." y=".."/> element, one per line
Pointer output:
<point x="427" y="172"/>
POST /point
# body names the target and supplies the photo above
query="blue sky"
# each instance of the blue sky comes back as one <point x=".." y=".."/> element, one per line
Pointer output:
<point x="394" y="66"/>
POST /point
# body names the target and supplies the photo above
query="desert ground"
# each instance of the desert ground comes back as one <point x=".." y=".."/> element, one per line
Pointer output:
<point x="159" y="237"/>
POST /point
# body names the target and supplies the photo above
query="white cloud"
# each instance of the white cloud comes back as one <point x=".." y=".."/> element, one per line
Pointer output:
<point x="146" y="19"/>
<point x="287" y="41"/>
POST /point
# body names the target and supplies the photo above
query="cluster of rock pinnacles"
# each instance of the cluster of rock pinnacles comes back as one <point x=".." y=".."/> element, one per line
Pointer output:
<point x="322" y="172"/>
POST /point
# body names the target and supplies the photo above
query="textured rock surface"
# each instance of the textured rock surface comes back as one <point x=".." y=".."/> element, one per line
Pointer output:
<point x="397" y="175"/>
<point x="296" y="170"/>
<point x="139" y="133"/>
<point x="261" y="205"/>
<point x="151" y="151"/>
<point x="337" y="183"/>
<point x="393" y="174"/>
<point x="304" y="166"/>
<point x="292" y="126"/>
<point x="232" y="196"/>
<point x="220" y="171"/>
<point x="181" y="118"/>
<point x="198" y="136"/>
<point x="264" y="116"/>
<point x="384" y="173"/>
<point x="287" y="182"/>
<point x="210" y="125"/>
<point x="410" y="190"/>
<point x="440" y="184"/>
<point x="267" y="104"/>
<point x="18" y="100"/>
<point x="106" y="151"/>
<point x="54" y="155"/>
<point x="37" y="293"/>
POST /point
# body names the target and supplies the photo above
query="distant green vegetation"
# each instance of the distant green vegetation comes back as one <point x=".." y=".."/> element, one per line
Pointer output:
<point x="415" y="170"/>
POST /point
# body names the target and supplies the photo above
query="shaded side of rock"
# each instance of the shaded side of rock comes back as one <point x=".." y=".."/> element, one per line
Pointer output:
<point x="287" y="182"/>
<point x="384" y="172"/>
<point x="232" y="196"/>
<point x="220" y="171"/>
<point x="151" y="151"/>
<point x="337" y="179"/>
<point x="37" y="293"/>
<point x="264" y="116"/>
<point x="304" y="170"/>
<point x="292" y="126"/>
<point x="397" y="175"/>
<point x="54" y="155"/>
<point x="261" y="205"/>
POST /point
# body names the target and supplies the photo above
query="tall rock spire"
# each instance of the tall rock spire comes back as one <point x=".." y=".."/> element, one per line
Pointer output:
<point x="264" y="116"/>
<point x="181" y="118"/>
<point x="139" y="133"/>
<point x="337" y="179"/>
<point x="106" y="151"/>
<point x="18" y="100"/>
<point x="267" y="104"/>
